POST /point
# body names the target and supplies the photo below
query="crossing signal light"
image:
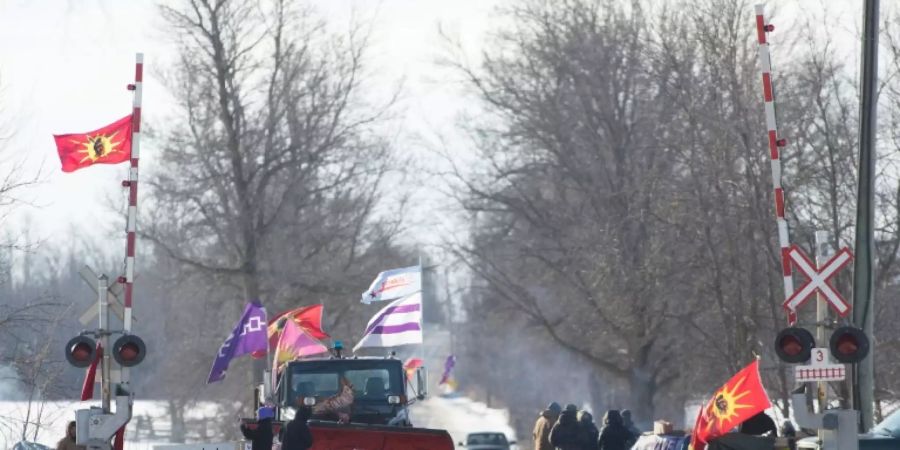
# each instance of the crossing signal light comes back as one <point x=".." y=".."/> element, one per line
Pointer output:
<point x="80" y="351"/>
<point x="129" y="350"/>
<point x="849" y="345"/>
<point x="794" y="345"/>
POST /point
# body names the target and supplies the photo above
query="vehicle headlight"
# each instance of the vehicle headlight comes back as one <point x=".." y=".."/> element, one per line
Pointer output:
<point x="394" y="399"/>
<point x="309" y="401"/>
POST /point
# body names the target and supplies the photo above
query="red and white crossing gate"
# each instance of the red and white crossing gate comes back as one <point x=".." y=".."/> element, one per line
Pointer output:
<point x="819" y="278"/>
<point x="821" y="368"/>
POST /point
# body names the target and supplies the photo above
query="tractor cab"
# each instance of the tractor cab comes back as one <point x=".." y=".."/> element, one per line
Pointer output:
<point x="357" y="390"/>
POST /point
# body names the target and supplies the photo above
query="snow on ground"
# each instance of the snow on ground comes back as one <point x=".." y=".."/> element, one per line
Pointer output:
<point x="56" y="415"/>
<point x="459" y="416"/>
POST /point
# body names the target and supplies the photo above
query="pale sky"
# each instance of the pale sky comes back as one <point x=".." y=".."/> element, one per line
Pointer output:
<point x="64" y="65"/>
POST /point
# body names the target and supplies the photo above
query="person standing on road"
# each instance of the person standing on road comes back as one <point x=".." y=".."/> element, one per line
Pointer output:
<point x="544" y="424"/>
<point x="588" y="434"/>
<point x="564" y="434"/>
<point x="614" y="435"/>
<point x="261" y="437"/>
<point x="68" y="442"/>
<point x="296" y="434"/>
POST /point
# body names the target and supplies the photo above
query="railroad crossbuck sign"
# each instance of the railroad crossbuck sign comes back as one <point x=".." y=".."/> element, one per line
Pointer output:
<point x="821" y="368"/>
<point x="819" y="280"/>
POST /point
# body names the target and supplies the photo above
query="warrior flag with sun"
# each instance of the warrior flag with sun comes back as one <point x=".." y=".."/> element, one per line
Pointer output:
<point x="741" y="398"/>
<point x="108" y="145"/>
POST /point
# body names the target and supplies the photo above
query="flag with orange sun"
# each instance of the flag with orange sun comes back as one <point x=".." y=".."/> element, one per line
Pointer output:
<point x="108" y="145"/>
<point x="741" y="398"/>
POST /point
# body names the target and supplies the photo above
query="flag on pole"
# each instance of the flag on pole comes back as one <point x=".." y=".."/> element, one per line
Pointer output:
<point x="296" y="342"/>
<point x="448" y="368"/>
<point x="411" y="365"/>
<point x="394" y="284"/>
<point x="398" y="323"/>
<point x="248" y="335"/>
<point x="87" y="389"/>
<point x="741" y="398"/>
<point x="108" y="145"/>
<point x="308" y="318"/>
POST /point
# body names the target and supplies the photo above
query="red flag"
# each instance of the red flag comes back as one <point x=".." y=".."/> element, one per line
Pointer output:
<point x="295" y="342"/>
<point x="741" y="398"/>
<point x="308" y="318"/>
<point x="87" y="389"/>
<point x="410" y="367"/>
<point x="119" y="442"/>
<point x="108" y="145"/>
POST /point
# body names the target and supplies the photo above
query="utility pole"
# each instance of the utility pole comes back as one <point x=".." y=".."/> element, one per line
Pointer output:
<point x="863" y="395"/>
<point x="823" y="251"/>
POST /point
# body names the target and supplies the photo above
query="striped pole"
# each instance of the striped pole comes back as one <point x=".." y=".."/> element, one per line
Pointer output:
<point x="774" y="144"/>
<point x="132" y="183"/>
<point x="131" y="225"/>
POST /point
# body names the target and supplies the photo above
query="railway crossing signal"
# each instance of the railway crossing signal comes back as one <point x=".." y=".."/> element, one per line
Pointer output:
<point x="129" y="350"/>
<point x="80" y="351"/>
<point x="849" y="345"/>
<point x="794" y="345"/>
<point x="819" y="278"/>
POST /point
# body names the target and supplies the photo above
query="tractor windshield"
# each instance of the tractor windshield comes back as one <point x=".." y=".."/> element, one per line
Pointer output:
<point x="371" y="390"/>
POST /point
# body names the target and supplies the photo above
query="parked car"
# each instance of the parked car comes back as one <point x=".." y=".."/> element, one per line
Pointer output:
<point x="486" y="441"/>
<point x="884" y="436"/>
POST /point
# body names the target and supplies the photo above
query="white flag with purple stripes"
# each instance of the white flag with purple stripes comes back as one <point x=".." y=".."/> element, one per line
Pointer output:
<point x="398" y="323"/>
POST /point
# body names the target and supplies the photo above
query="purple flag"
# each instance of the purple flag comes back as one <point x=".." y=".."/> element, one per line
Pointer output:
<point x="249" y="335"/>
<point x="448" y="367"/>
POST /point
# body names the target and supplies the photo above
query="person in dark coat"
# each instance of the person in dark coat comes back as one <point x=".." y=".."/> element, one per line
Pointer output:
<point x="614" y="435"/>
<point x="587" y="431"/>
<point x="759" y="425"/>
<point x="543" y="425"/>
<point x="629" y="425"/>
<point x="296" y="434"/>
<point x="260" y="437"/>
<point x="564" y="434"/>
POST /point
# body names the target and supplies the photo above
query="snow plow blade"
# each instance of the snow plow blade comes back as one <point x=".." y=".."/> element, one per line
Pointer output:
<point x="358" y="436"/>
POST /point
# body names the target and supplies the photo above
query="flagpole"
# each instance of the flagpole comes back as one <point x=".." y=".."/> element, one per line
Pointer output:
<point x="131" y="183"/>
<point x="131" y="224"/>
<point x="422" y="308"/>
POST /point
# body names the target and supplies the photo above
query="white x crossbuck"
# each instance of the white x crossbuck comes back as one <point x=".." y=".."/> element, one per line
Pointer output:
<point x="819" y="280"/>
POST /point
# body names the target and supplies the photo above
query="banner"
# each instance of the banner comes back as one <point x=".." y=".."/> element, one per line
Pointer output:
<point x="248" y="335"/>
<point x="398" y="323"/>
<point x="394" y="284"/>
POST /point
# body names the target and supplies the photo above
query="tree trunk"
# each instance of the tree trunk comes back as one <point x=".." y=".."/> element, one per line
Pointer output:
<point x="251" y="293"/>
<point x="176" y="415"/>
<point x="643" y="389"/>
<point x="598" y="390"/>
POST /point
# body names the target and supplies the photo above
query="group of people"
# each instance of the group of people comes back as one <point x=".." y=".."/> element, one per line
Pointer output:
<point x="570" y="429"/>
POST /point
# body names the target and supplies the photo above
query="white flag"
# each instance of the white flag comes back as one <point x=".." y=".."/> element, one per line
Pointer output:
<point x="398" y="323"/>
<point x="394" y="284"/>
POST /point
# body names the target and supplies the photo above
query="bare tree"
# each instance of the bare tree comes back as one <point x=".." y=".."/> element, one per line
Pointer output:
<point x="275" y="136"/>
<point x="272" y="177"/>
<point x="573" y="202"/>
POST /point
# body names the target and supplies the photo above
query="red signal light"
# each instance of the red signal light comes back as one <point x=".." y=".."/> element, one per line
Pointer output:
<point x="849" y="345"/>
<point x="794" y="345"/>
<point x="129" y="350"/>
<point x="80" y="351"/>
